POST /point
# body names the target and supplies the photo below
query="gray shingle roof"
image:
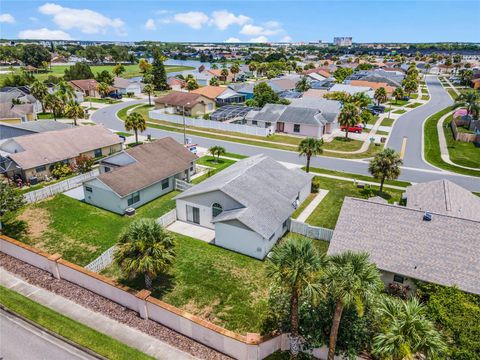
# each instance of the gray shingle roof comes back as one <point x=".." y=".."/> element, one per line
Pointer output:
<point x="263" y="186"/>
<point x="445" y="250"/>
<point x="444" y="197"/>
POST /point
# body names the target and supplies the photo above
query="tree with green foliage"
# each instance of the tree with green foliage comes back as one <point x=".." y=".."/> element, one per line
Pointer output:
<point x="380" y="95"/>
<point x="84" y="163"/>
<point x="214" y="81"/>
<point x="79" y="71"/>
<point x="349" y="116"/>
<point x="264" y="94"/>
<point x="144" y="66"/>
<point x="192" y="84"/>
<point x="410" y="86"/>
<point x="11" y="201"/>
<point x="105" y="77"/>
<point x="217" y="150"/>
<point x="224" y="74"/>
<point x="398" y="93"/>
<point x="145" y="248"/>
<point x="158" y="72"/>
<point x="65" y="91"/>
<point x="118" y="69"/>
<point x="149" y="90"/>
<point x="294" y="266"/>
<point x="39" y="91"/>
<point x="103" y="89"/>
<point x="74" y="111"/>
<point x="385" y="166"/>
<point x="360" y="99"/>
<point x="341" y="74"/>
<point x="309" y="147"/>
<point x="235" y="69"/>
<point x="471" y="101"/>
<point x="54" y="104"/>
<point x="302" y="85"/>
<point x="406" y="332"/>
<point x="351" y="281"/>
<point x="135" y="122"/>
<point x="35" y="55"/>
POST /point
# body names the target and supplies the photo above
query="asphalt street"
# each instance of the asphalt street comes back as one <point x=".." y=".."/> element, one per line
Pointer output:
<point x="21" y="341"/>
<point x="419" y="172"/>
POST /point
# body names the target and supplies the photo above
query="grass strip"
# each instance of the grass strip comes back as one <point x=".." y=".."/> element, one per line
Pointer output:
<point x="68" y="328"/>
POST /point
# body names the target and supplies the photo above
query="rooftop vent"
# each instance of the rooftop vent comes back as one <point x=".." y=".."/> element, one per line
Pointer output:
<point x="427" y="216"/>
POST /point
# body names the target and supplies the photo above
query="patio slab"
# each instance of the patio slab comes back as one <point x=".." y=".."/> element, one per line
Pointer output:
<point x="193" y="231"/>
<point x="76" y="193"/>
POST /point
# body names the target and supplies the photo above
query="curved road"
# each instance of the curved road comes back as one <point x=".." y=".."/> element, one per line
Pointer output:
<point x="415" y="169"/>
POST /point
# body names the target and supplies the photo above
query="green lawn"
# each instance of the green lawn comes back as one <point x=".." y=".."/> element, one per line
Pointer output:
<point x="387" y="122"/>
<point x="68" y="328"/>
<point x="452" y="93"/>
<point x="414" y="105"/>
<point x="101" y="101"/>
<point x="432" y="146"/>
<point x="399" y="102"/>
<point x="425" y="97"/>
<point x="461" y="153"/>
<point x="380" y="132"/>
<point x="235" y="156"/>
<point x="303" y="205"/>
<point x="343" y="144"/>
<point x="212" y="162"/>
<point x="400" y="111"/>
<point x="424" y="91"/>
<point x="224" y="287"/>
<point x="79" y="231"/>
<point x="122" y="133"/>
<point x="413" y="96"/>
<point x="44" y="116"/>
<point x="326" y="213"/>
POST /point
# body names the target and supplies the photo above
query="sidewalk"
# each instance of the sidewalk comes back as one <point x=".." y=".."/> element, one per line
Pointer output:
<point x="358" y="181"/>
<point x="312" y="206"/>
<point x="130" y="336"/>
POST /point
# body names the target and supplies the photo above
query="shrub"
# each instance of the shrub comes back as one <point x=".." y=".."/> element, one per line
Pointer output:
<point x="84" y="163"/>
<point x="315" y="186"/>
<point x="61" y="170"/>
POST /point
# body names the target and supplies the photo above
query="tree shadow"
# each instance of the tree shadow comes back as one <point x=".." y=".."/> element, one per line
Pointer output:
<point x="162" y="284"/>
<point x="16" y="229"/>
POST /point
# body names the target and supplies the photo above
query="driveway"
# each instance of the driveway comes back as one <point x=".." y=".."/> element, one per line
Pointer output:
<point x="107" y="117"/>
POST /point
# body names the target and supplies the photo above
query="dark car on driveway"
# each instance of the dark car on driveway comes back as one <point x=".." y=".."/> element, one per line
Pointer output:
<point x="115" y="96"/>
<point x="376" y="109"/>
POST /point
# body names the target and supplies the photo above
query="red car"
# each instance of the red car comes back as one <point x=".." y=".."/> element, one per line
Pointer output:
<point x="354" y="129"/>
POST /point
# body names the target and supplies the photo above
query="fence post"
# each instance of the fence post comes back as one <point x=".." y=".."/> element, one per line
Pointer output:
<point x="54" y="265"/>
<point x="142" y="308"/>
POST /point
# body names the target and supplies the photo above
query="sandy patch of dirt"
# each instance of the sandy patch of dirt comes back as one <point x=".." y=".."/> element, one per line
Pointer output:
<point x="37" y="220"/>
<point x="205" y="312"/>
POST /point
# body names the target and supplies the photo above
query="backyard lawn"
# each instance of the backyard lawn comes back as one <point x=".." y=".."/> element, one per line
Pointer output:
<point x="326" y="213"/>
<point x="461" y="153"/>
<point x="79" y="231"/>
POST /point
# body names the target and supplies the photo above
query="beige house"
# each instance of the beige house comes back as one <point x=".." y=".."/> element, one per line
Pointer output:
<point x="182" y="102"/>
<point x="15" y="114"/>
<point x="34" y="156"/>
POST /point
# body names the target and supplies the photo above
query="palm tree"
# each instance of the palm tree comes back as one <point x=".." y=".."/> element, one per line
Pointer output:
<point x="380" y="95"/>
<point x="351" y="280"/>
<point x="302" y="85"/>
<point x="310" y="147"/>
<point x="217" y="150"/>
<point x="406" y="333"/>
<point x="252" y="66"/>
<point x="149" y="90"/>
<point x="75" y="111"/>
<point x="235" y="69"/>
<point x="103" y="89"/>
<point x="471" y="101"/>
<point x="39" y="91"/>
<point x="360" y="99"/>
<point x="145" y="248"/>
<point x="65" y="91"/>
<point x="410" y="86"/>
<point x="135" y="122"/>
<point x="54" y="104"/>
<point x="294" y="265"/>
<point x="349" y="116"/>
<point x="398" y="93"/>
<point x="385" y="165"/>
<point x="118" y="69"/>
<point x="214" y="81"/>
<point x="224" y="73"/>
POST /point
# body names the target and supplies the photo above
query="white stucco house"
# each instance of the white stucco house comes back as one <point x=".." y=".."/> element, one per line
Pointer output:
<point x="123" y="86"/>
<point x="249" y="204"/>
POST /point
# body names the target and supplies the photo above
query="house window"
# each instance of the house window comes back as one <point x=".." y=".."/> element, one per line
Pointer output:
<point x="216" y="209"/>
<point x="285" y="224"/>
<point x="268" y="124"/>
<point x="133" y="198"/>
<point x="210" y="106"/>
<point x="271" y="237"/>
<point x="296" y="128"/>
<point x="106" y="168"/>
<point x="88" y="189"/>
<point x="41" y="168"/>
<point x="399" y="279"/>
<point x="193" y="214"/>
<point x="254" y="122"/>
<point x="165" y="183"/>
<point x="97" y="152"/>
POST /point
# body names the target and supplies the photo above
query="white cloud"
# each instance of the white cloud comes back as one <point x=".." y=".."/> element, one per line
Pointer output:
<point x="259" y="39"/>
<point x="33" y="19"/>
<point x="150" y="24"/>
<point x="286" y="38"/>
<point x="194" y="19"/>
<point x="162" y="12"/>
<point x="232" y="40"/>
<point x="7" y="18"/>
<point x="87" y="21"/>
<point x="44" y="34"/>
<point x="222" y="19"/>
<point x="257" y="30"/>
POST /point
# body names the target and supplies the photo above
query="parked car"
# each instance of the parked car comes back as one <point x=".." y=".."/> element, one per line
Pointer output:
<point x="354" y="129"/>
<point x="380" y="109"/>
<point x="192" y="148"/>
<point x="406" y="98"/>
<point x="115" y="96"/>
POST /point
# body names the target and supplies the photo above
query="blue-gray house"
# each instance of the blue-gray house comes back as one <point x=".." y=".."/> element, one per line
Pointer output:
<point x="138" y="175"/>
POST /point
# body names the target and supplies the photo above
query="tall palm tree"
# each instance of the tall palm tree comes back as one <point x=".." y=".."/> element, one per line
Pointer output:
<point x="103" y="89"/>
<point x="235" y="69"/>
<point x="410" y="86"/>
<point x="360" y="99"/>
<point x="302" y="85"/>
<point x="471" y="101"/>
<point x="385" y="165"/>
<point x="75" y="111"/>
<point x="294" y="266"/>
<point x="39" y="91"/>
<point x="224" y="73"/>
<point x="252" y="66"/>
<point x="65" y="91"/>
<point x="135" y="122"/>
<point x="398" y="93"/>
<point x="217" y="150"/>
<point x="149" y="90"/>
<point x="349" y="116"/>
<point x="145" y="248"/>
<point x="380" y="95"/>
<point x="54" y="104"/>
<point x="406" y="333"/>
<point x="351" y="280"/>
<point x="310" y="147"/>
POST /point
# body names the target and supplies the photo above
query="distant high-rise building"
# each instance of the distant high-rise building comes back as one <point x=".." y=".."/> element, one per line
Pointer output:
<point x="342" y="41"/>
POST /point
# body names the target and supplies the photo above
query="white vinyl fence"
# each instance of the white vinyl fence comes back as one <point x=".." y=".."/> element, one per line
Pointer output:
<point x="209" y="124"/>
<point x="313" y="232"/>
<point x="168" y="218"/>
<point x="47" y="191"/>
<point x="181" y="185"/>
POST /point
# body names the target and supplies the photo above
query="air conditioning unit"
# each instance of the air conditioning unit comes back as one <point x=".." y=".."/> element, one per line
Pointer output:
<point x="130" y="211"/>
<point x="427" y="216"/>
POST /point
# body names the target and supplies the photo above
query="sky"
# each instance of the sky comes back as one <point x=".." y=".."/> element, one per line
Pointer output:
<point x="242" y="21"/>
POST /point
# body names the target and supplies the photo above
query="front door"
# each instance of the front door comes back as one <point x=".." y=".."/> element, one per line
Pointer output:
<point x="280" y="127"/>
<point x="193" y="214"/>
